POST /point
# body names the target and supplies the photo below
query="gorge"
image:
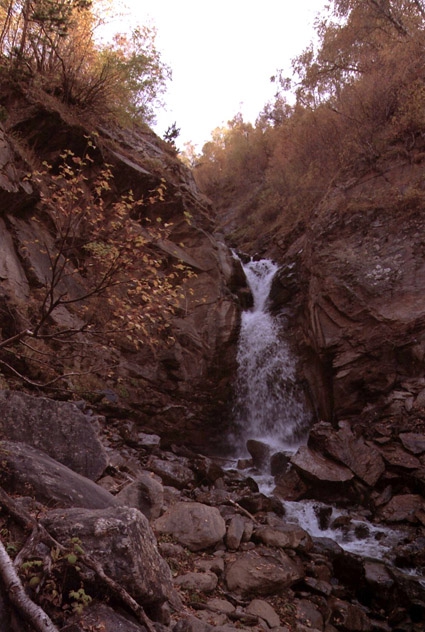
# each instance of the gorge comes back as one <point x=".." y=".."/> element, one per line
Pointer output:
<point x="119" y="465"/>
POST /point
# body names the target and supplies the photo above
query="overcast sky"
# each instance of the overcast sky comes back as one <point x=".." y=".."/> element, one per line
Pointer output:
<point x="222" y="55"/>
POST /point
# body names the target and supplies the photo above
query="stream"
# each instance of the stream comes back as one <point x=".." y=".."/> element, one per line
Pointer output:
<point x="270" y="408"/>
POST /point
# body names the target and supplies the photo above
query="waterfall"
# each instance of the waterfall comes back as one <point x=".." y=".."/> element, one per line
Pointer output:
<point x="269" y="404"/>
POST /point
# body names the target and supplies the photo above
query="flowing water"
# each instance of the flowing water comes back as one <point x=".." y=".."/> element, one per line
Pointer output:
<point x="269" y="404"/>
<point x="270" y="408"/>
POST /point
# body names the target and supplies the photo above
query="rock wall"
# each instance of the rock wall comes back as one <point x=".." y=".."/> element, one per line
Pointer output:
<point x="173" y="387"/>
<point x="359" y="300"/>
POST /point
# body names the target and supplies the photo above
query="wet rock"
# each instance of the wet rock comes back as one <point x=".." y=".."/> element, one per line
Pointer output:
<point x="316" y="467"/>
<point x="290" y="486"/>
<point x="323" y="515"/>
<point x="279" y="463"/>
<point x="260" y="453"/>
<point x="206" y="470"/>
<point x="194" y="525"/>
<point x="402" y="508"/>
<point x="264" y="611"/>
<point x="121" y="540"/>
<point x="262" y="572"/>
<point x="26" y="470"/>
<point x="411" y="554"/>
<point x="327" y="548"/>
<point x="60" y="429"/>
<point x="145" y="493"/>
<point x="173" y="471"/>
<point x="379" y="578"/>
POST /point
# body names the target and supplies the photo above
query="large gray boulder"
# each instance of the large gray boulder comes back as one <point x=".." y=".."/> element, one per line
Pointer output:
<point x="60" y="429"/>
<point x="28" y="471"/>
<point x="121" y="540"/>
<point x="193" y="525"/>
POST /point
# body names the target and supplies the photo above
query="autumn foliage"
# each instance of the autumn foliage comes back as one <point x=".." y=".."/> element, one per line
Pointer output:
<point x="355" y="102"/>
<point x="52" y="45"/>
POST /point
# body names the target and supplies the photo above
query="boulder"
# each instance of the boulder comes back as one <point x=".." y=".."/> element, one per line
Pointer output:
<point x="402" y="508"/>
<point x="60" y="429"/>
<point x="145" y="493"/>
<point x="263" y="610"/>
<point x="379" y="580"/>
<point x="395" y="456"/>
<point x="316" y="467"/>
<point x="413" y="441"/>
<point x="290" y="485"/>
<point x="99" y="616"/>
<point x="308" y="615"/>
<point x="349" y="617"/>
<point x="27" y="470"/>
<point x="194" y="525"/>
<point x="198" y="582"/>
<point x="262" y="572"/>
<point x="343" y="446"/>
<point x="287" y="536"/>
<point x="260" y="453"/>
<point x="235" y="532"/>
<point x="174" y="471"/>
<point x="121" y="540"/>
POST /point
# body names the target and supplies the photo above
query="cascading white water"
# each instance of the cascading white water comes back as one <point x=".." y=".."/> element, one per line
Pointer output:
<point x="270" y="408"/>
<point x="269" y="405"/>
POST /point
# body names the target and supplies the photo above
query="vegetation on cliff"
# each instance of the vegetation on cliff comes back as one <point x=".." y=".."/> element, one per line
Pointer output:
<point x="87" y="204"/>
<point x="52" y="46"/>
<point x="355" y="103"/>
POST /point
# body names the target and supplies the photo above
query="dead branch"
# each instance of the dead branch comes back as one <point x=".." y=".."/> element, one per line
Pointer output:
<point x="35" y="615"/>
<point x="242" y="510"/>
<point x="40" y="534"/>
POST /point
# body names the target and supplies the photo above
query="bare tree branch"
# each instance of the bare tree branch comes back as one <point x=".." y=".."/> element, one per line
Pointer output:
<point x="36" y="616"/>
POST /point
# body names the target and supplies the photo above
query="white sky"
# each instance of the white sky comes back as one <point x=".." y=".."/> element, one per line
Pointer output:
<point x="222" y="55"/>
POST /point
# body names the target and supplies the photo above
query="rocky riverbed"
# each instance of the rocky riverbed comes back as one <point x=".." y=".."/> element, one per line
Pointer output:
<point x="195" y="544"/>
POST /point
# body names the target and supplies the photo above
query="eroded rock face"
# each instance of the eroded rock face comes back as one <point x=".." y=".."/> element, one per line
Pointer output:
<point x="364" y="274"/>
<point x="197" y="367"/>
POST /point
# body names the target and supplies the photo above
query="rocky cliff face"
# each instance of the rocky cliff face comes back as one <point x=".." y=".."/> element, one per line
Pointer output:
<point x="160" y="382"/>
<point x="358" y="288"/>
